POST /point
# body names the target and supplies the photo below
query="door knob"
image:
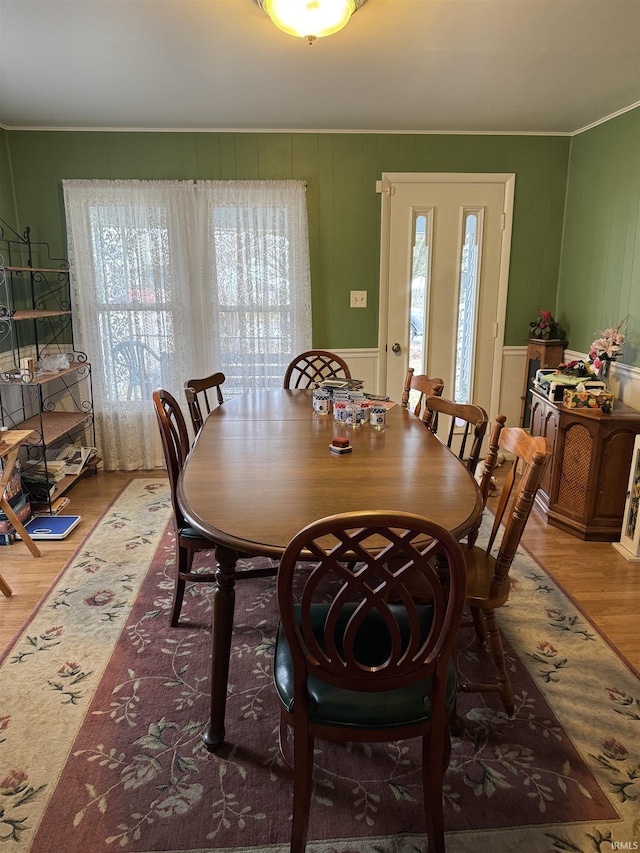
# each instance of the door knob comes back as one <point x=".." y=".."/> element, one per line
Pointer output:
<point x="396" y="348"/>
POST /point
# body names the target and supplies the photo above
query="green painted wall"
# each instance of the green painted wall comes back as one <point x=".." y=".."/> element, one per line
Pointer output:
<point x="7" y="206"/>
<point x="600" y="270"/>
<point x="344" y="210"/>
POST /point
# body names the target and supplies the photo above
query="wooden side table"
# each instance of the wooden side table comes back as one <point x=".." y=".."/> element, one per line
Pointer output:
<point x="540" y="354"/>
<point x="10" y="443"/>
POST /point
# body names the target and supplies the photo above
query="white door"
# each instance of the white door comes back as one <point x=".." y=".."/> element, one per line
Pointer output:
<point x="444" y="269"/>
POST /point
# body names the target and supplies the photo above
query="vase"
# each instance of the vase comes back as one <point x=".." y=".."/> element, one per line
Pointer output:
<point x="605" y="366"/>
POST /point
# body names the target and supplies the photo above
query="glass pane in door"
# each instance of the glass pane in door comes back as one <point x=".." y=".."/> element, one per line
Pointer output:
<point x="468" y="305"/>
<point x="419" y="289"/>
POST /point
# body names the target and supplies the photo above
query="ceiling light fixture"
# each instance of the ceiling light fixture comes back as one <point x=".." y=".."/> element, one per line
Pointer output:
<point x="310" y="19"/>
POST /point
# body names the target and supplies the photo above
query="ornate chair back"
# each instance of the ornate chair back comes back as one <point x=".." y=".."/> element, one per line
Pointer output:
<point x="351" y="635"/>
<point x="175" y="442"/>
<point x="314" y="366"/>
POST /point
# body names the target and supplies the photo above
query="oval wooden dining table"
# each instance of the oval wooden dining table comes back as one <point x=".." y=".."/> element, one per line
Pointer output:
<point x="261" y="470"/>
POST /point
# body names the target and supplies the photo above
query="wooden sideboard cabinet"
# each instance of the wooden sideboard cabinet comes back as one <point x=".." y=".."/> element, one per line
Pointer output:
<point x="584" y="488"/>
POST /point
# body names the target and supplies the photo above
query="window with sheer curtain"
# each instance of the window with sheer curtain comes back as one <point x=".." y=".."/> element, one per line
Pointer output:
<point x="173" y="280"/>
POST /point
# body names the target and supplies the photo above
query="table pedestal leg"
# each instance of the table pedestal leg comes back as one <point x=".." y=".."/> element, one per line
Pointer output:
<point x="224" y="597"/>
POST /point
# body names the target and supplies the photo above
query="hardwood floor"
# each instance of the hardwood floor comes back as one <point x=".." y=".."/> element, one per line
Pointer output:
<point x="599" y="580"/>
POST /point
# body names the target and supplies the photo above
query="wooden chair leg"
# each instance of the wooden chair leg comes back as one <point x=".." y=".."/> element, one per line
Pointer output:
<point x="184" y="561"/>
<point x="302" y="787"/>
<point x="434" y="764"/>
<point x="283" y="742"/>
<point x="479" y="625"/>
<point x="496" y="648"/>
<point x="178" y="595"/>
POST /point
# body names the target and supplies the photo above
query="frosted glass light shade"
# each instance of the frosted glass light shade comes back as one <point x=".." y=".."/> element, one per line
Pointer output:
<point x="310" y="19"/>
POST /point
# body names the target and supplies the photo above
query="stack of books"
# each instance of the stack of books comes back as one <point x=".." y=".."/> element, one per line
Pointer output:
<point x="40" y="480"/>
<point x="19" y="502"/>
<point x="41" y="477"/>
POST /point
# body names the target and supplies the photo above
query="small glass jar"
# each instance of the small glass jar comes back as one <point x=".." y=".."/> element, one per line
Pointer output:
<point x="340" y="411"/>
<point x="377" y="417"/>
<point x="354" y="415"/>
<point x="321" y="401"/>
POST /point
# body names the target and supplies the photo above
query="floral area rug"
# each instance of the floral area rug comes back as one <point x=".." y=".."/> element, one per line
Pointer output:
<point x="103" y="706"/>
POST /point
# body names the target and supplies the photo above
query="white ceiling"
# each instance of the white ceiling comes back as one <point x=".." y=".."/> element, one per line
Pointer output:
<point x="532" y="66"/>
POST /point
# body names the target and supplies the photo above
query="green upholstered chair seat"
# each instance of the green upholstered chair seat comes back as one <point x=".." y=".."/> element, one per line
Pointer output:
<point x="190" y="533"/>
<point x="331" y="705"/>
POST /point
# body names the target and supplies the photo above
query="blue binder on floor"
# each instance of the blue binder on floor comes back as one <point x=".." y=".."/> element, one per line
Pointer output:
<point x="51" y="526"/>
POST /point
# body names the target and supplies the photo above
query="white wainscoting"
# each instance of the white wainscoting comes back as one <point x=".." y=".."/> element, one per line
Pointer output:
<point x="623" y="380"/>
<point x="363" y="364"/>
<point x="514" y="362"/>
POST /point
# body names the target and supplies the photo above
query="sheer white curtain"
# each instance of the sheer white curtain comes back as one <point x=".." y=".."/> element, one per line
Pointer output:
<point x="257" y="277"/>
<point x="174" y="279"/>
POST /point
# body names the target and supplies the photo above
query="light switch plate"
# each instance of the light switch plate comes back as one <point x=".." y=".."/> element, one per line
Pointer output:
<point x="358" y="299"/>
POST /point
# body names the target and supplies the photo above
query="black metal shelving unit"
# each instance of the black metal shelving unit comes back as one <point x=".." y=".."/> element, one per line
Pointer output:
<point x="36" y="328"/>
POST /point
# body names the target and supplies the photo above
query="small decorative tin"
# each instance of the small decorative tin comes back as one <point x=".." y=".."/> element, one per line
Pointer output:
<point x="321" y="401"/>
<point x="377" y="417"/>
<point x="340" y="411"/>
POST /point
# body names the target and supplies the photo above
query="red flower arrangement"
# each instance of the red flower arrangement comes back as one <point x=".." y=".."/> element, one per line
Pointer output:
<point x="545" y="327"/>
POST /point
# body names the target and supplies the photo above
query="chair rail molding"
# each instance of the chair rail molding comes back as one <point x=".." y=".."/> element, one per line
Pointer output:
<point x="624" y="379"/>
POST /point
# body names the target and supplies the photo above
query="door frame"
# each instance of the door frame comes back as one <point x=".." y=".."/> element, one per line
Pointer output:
<point x="386" y="187"/>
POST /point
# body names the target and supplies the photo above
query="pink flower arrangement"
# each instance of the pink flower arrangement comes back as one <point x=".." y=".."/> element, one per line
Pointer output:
<point x="608" y="347"/>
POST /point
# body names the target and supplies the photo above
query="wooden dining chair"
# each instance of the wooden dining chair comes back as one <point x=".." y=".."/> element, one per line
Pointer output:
<point x="488" y="581"/>
<point x="175" y="444"/>
<point x="353" y="665"/>
<point x="313" y="366"/>
<point x="424" y="386"/>
<point x="456" y="423"/>
<point x="200" y="398"/>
